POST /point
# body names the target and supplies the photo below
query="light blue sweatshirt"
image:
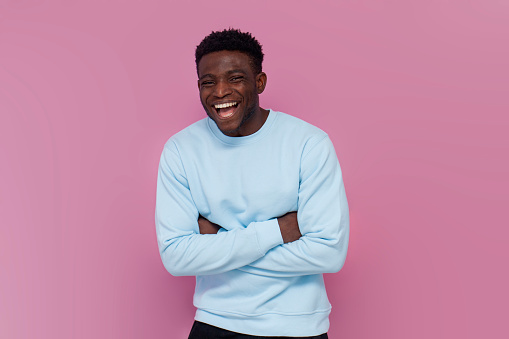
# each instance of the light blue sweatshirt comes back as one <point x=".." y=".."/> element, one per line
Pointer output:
<point x="247" y="280"/>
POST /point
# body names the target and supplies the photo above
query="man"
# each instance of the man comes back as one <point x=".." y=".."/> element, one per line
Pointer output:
<point x="251" y="201"/>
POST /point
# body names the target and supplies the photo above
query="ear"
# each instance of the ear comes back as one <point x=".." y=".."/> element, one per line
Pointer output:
<point x="261" y="82"/>
<point x="198" y="82"/>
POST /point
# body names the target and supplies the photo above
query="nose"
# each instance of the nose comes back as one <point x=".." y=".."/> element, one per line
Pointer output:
<point x="222" y="89"/>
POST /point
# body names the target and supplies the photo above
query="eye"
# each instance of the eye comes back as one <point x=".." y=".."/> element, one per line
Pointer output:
<point x="207" y="83"/>
<point x="236" y="78"/>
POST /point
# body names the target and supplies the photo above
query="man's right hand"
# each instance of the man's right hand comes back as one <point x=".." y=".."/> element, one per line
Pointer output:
<point x="207" y="227"/>
<point x="289" y="227"/>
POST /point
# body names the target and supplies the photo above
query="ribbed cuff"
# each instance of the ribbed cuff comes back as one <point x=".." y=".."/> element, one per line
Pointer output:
<point x="268" y="234"/>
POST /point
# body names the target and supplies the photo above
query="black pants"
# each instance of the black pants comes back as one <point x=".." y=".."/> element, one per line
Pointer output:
<point x="206" y="331"/>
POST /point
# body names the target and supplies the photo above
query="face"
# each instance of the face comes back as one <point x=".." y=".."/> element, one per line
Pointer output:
<point x="229" y="92"/>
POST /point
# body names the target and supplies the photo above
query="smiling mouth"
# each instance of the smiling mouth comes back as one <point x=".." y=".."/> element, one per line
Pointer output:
<point x="226" y="110"/>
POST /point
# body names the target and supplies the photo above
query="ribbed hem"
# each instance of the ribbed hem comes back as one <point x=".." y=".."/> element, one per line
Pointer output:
<point x="269" y="324"/>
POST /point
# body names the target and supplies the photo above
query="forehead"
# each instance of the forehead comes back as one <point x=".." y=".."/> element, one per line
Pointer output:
<point x="216" y="63"/>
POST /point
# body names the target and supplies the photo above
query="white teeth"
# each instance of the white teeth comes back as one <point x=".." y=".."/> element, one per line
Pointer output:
<point x="229" y="104"/>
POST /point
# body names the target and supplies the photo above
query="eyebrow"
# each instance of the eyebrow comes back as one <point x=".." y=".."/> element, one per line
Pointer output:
<point x="229" y="72"/>
<point x="204" y="76"/>
<point x="236" y="71"/>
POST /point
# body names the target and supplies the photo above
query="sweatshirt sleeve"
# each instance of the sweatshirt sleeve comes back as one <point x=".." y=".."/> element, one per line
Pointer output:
<point x="186" y="252"/>
<point x="323" y="221"/>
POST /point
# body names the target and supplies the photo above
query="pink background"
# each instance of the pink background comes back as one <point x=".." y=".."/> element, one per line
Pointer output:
<point x="414" y="95"/>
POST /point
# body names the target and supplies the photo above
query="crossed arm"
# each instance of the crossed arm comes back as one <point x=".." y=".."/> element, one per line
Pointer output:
<point x="288" y="225"/>
<point x="317" y="243"/>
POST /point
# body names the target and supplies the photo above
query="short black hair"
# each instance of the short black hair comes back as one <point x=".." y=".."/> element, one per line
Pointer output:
<point x="231" y="40"/>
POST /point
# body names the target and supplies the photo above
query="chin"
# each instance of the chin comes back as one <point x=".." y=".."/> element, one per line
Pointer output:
<point x="229" y="130"/>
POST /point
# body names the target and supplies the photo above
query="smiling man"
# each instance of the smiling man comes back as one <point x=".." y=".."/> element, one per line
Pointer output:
<point x="251" y="201"/>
